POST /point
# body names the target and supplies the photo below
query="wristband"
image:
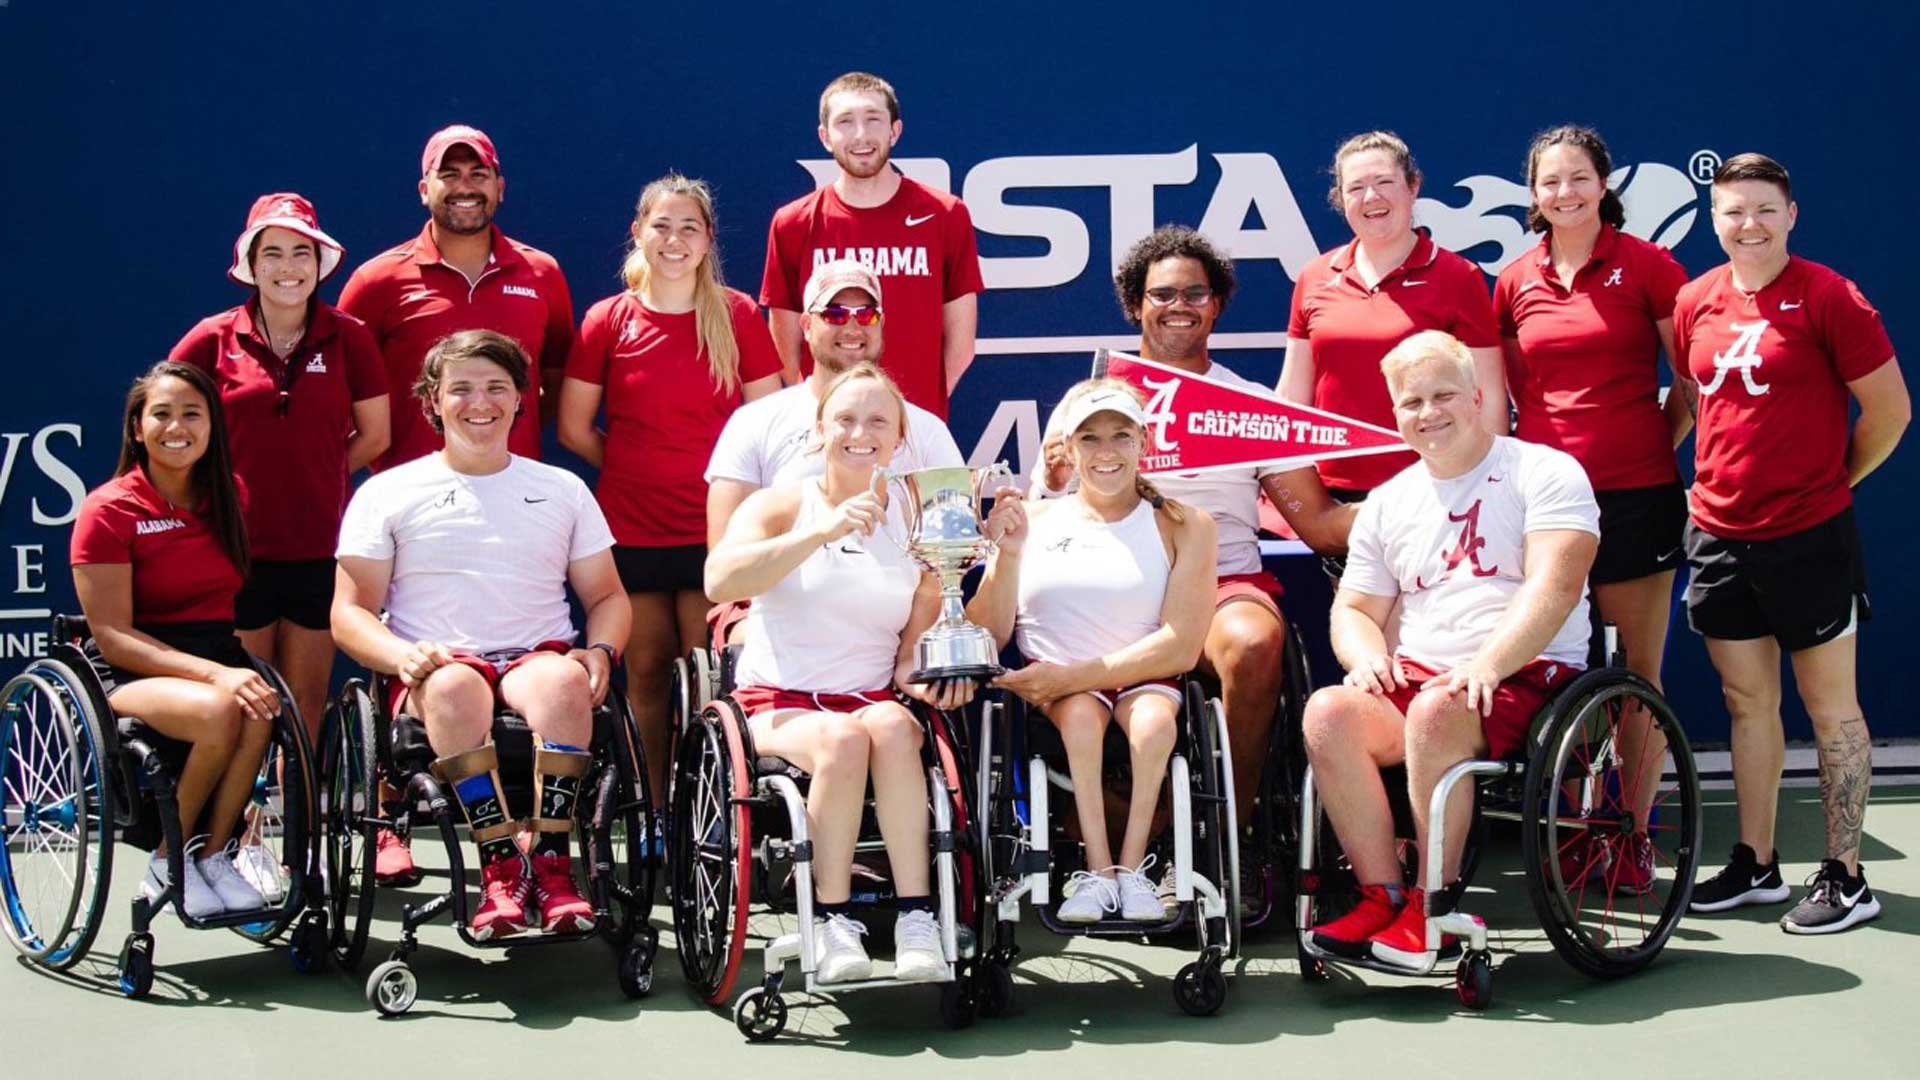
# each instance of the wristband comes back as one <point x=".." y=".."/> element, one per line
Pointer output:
<point x="613" y="654"/>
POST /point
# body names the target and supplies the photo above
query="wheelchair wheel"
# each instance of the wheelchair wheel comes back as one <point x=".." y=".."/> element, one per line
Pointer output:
<point x="1276" y="820"/>
<point x="57" y="862"/>
<point x="281" y="814"/>
<point x="1216" y="846"/>
<point x="712" y="852"/>
<point x="1582" y="826"/>
<point x="349" y="798"/>
<point x="619" y="832"/>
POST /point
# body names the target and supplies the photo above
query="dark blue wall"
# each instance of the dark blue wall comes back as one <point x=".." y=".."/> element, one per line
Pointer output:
<point x="133" y="138"/>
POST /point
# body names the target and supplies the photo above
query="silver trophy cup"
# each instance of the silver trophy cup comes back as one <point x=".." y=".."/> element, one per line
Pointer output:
<point x="942" y="511"/>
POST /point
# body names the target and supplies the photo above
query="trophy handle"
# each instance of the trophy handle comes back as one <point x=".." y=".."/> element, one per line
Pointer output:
<point x="984" y="478"/>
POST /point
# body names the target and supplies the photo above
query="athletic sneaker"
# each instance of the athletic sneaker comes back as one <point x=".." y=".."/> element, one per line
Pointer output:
<point x="917" y="956"/>
<point x="199" y="899"/>
<point x="393" y="859"/>
<point x="1090" y="898"/>
<point x="1632" y="871"/>
<point x="260" y="869"/>
<point x="1624" y="861"/>
<point x="1742" y="881"/>
<point x="225" y="880"/>
<point x="1138" y="900"/>
<point x="1347" y="935"/>
<point x="504" y="892"/>
<point x="1834" y="902"/>
<point x="562" y="908"/>
<point x="1403" y="943"/>
<point x="838" y="955"/>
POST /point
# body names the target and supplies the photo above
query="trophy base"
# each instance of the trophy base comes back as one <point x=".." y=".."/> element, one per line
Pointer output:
<point x="960" y="671"/>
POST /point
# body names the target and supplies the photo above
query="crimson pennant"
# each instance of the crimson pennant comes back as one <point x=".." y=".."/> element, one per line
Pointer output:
<point x="1197" y="424"/>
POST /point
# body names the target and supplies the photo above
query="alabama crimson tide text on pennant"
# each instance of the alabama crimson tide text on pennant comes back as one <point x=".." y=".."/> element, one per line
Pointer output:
<point x="1196" y="424"/>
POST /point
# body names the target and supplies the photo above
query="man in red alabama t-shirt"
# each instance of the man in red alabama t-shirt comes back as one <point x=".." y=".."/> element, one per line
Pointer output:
<point x="917" y="240"/>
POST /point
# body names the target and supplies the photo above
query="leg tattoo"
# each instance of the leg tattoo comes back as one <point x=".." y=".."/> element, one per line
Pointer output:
<point x="1846" y="773"/>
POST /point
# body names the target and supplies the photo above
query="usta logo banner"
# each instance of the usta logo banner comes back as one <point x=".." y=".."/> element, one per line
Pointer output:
<point x="1196" y="424"/>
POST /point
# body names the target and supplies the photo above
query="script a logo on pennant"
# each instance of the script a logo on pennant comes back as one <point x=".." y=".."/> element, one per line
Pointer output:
<point x="1198" y="424"/>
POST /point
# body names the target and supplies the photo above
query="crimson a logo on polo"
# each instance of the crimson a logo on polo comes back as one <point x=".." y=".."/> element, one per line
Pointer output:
<point x="1661" y="202"/>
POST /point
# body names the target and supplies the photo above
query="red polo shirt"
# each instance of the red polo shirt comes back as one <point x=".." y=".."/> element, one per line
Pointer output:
<point x="1586" y="376"/>
<point x="1351" y="328"/>
<point x="410" y="299"/>
<point x="663" y="411"/>
<point x="180" y="572"/>
<point x="919" y="243"/>
<point x="1770" y="452"/>
<point x="293" y="457"/>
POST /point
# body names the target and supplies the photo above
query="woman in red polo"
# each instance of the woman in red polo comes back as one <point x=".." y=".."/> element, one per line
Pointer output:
<point x="1354" y="303"/>
<point x="305" y="397"/>
<point x="158" y="553"/>
<point x="670" y="358"/>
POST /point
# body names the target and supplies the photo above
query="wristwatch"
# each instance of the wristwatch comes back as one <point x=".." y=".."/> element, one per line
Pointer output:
<point x="613" y="654"/>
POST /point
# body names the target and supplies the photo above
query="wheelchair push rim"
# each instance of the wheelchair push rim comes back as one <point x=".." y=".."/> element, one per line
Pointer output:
<point x="617" y="831"/>
<point x="57" y="859"/>
<point x="712" y="856"/>
<point x="350" y="796"/>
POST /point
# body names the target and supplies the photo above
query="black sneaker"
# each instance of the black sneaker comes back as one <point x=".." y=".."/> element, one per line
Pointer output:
<point x="1744" y="881"/>
<point x="1834" y="902"/>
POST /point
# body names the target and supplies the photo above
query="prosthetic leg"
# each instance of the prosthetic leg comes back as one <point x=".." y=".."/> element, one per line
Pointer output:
<point x="474" y="776"/>
<point x="557" y="772"/>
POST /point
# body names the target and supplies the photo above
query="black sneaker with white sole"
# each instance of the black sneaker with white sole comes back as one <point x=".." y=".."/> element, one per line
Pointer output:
<point x="1743" y="881"/>
<point x="1834" y="902"/>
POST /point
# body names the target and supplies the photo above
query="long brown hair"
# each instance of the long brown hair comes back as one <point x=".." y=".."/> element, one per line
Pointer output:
<point x="212" y="475"/>
<point x="712" y="312"/>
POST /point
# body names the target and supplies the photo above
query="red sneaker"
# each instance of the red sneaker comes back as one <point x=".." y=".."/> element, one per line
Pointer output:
<point x="1404" y="943"/>
<point x="393" y="860"/>
<point x="563" y="909"/>
<point x="503" y="903"/>
<point x="1632" y="871"/>
<point x="1582" y="859"/>
<point x="1347" y="935"/>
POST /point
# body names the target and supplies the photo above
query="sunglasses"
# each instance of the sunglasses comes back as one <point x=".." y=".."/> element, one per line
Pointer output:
<point x="1165" y="295"/>
<point x="838" y="314"/>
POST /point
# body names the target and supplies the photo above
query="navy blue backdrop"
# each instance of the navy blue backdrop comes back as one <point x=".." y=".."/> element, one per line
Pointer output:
<point x="135" y="136"/>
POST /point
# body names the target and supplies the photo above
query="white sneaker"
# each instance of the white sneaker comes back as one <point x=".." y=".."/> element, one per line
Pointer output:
<point x="261" y="870"/>
<point x="917" y="956"/>
<point x="200" y="901"/>
<point x="225" y="880"/>
<point x="1090" y="898"/>
<point x="838" y="954"/>
<point x="1139" y="900"/>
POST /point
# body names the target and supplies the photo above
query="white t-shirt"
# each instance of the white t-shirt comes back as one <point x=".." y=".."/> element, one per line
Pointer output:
<point x="1231" y="496"/>
<point x="1452" y="549"/>
<point x="479" y="562"/>
<point x="833" y="625"/>
<point x="765" y="441"/>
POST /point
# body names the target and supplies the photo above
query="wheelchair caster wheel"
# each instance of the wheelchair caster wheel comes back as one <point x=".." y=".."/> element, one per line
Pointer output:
<point x="636" y="970"/>
<point x="1312" y="968"/>
<point x="136" y="966"/>
<point x="759" y="1015"/>
<point x="995" y="990"/>
<point x="1200" y="989"/>
<point x="309" y="946"/>
<point x="957" y="1003"/>
<point x="1473" y="981"/>
<point x="392" y="989"/>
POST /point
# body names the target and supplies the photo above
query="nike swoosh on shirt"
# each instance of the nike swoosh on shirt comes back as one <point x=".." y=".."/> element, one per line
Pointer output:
<point x="921" y="220"/>
<point x="523" y="498"/>
<point x="1784" y="306"/>
<point x="1410" y="283"/>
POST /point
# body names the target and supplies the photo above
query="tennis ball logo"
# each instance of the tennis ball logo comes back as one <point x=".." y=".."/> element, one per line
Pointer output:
<point x="1490" y="229"/>
<point x="1661" y="202"/>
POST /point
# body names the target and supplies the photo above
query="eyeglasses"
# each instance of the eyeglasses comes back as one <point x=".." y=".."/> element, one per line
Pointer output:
<point x="1192" y="294"/>
<point x="838" y="314"/>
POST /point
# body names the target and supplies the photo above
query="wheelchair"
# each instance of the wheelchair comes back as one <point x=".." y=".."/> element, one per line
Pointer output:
<point x="363" y="749"/>
<point x="740" y="839"/>
<point x="1024" y="854"/>
<point x="1566" y="787"/>
<point x="76" y="777"/>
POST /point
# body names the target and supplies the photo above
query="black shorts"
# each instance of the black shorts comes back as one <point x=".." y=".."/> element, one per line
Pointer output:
<point x="1335" y="566"/>
<point x="213" y="641"/>
<point x="1803" y="589"/>
<point x="1640" y="532"/>
<point x="662" y="569"/>
<point x="299" y="591"/>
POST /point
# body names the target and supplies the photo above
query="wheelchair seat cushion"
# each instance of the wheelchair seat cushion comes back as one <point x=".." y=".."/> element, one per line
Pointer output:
<point x="1518" y="700"/>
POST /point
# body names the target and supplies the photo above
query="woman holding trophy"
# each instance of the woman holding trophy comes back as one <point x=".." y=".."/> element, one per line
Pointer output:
<point x="838" y="605"/>
<point x="1108" y="594"/>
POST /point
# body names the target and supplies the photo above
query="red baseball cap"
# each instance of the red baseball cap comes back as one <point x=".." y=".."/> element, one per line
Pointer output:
<point x="456" y="135"/>
<point x="286" y="210"/>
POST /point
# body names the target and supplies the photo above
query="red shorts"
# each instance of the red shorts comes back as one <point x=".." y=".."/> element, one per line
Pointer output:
<point x="1164" y="687"/>
<point x="1261" y="588"/>
<point x="491" y="667"/>
<point x="758" y="699"/>
<point x="1515" y="703"/>
<point x="722" y="618"/>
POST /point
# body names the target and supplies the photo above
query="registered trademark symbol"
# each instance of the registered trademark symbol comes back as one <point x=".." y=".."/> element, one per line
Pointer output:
<point x="1703" y="165"/>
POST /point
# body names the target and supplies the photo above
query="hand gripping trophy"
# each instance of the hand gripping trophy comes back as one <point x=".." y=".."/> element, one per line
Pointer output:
<point x="942" y="511"/>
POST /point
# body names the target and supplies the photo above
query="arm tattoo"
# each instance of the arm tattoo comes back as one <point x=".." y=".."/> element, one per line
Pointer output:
<point x="1846" y="774"/>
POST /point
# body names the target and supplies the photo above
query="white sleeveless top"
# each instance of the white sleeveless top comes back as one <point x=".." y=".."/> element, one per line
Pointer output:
<point x="1088" y="588"/>
<point x="833" y="625"/>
